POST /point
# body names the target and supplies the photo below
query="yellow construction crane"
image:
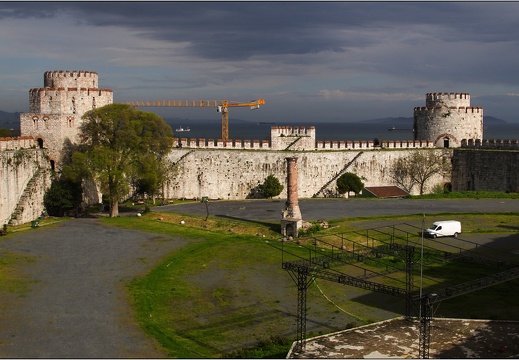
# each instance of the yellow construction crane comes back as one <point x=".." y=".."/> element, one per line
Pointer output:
<point x="221" y="106"/>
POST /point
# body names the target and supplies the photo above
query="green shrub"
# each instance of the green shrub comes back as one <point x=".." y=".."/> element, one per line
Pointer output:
<point x="271" y="187"/>
<point x="349" y="182"/>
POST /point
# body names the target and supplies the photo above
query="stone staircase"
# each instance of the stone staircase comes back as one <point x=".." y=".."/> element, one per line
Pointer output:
<point x="183" y="157"/>
<point x="336" y="176"/>
<point x="21" y="211"/>
<point x="292" y="143"/>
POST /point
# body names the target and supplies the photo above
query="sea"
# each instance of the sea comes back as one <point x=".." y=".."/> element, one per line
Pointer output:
<point x="244" y="130"/>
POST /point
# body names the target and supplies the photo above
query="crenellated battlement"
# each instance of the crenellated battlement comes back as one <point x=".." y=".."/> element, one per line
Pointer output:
<point x="292" y="131"/>
<point x="462" y="109"/>
<point x="501" y="144"/>
<point x="67" y="79"/>
<point x="201" y="143"/>
<point x="54" y="91"/>
<point x="292" y="137"/>
<point x="447" y="99"/>
<point x="16" y="143"/>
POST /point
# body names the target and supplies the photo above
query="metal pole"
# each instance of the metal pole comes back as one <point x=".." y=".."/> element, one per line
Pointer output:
<point x="420" y="312"/>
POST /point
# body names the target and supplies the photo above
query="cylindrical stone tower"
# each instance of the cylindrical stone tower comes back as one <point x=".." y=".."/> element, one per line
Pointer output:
<point x="55" y="110"/>
<point x="447" y="119"/>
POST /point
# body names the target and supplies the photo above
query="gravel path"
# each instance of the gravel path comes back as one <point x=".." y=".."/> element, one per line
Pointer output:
<point x="319" y="209"/>
<point x="78" y="307"/>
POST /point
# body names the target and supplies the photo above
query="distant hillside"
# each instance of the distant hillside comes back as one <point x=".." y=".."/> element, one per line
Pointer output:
<point x="409" y="120"/>
<point x="493" y="120"/>
<point x="389" y="120"/>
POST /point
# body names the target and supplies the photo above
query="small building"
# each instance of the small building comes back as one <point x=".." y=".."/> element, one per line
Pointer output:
<point x="384" y="192"/>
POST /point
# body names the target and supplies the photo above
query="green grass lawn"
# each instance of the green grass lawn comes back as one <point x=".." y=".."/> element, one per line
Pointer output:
<point x="225" y="291"/>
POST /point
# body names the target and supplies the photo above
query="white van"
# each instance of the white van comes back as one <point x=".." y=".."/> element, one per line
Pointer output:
<point x="444" y="228"/>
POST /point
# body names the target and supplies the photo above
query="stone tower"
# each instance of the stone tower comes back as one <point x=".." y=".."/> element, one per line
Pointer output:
<point x="55" y="110"/>
<point x="447" y="119"/>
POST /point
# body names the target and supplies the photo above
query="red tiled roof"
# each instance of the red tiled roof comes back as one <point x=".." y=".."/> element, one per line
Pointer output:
<point x="386" y="191"/>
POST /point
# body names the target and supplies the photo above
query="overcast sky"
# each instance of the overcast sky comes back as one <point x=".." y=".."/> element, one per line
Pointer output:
<point x="310" y="61"/>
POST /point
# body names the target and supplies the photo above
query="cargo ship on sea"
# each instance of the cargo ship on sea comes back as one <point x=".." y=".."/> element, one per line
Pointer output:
<point x="181" y="129"/>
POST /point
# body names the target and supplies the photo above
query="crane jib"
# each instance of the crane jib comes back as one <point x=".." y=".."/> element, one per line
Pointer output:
<point x="220" y="105"/>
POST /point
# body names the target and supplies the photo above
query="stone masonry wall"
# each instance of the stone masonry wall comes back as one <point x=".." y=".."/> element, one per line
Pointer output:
<point x="50" y="130"/>
<point x="24" y="178"/>
<point x="234" y="174"/>
<point x="485" y="169"/>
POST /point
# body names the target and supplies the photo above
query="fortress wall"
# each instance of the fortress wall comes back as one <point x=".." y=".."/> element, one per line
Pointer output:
<point x="504" y="144"/>
<point x="232" y="174"/>
<point x="299" y="144"/>
<point x="485" y="169"/>
<point x="17" y="168"/>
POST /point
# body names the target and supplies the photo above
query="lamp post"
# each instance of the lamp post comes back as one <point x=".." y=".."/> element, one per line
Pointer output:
<point x="205" y="200"/>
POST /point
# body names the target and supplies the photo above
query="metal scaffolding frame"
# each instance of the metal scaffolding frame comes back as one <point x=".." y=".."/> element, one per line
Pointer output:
<point x="305" y="269"/>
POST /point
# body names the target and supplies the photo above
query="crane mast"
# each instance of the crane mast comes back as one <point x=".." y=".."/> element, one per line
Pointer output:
<point x="222" y="106"/>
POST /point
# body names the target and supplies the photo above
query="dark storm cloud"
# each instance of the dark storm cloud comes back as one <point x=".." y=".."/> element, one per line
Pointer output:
<point x="239" y="30"/>
<point x="330" y="54"/>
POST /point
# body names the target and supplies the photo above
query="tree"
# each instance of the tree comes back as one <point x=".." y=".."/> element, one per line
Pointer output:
<point x="63" y="195"/>
<point x="115" y="140"/>
<point x="417" y="168"/>
<point x="349" y="182"/>
<point x="271" y="187"/>
<point x="400" y="172"/>
<point x="151" y="175"/>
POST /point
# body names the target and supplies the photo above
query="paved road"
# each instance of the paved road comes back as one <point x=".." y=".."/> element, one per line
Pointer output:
<point x="78" y="307"/>
<point x="325" y="209"/>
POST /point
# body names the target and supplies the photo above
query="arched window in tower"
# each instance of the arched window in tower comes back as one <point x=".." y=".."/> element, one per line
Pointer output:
<point x="40" y="143"/>
<point x="445" y="142"/>
<point x="52" y="165"/>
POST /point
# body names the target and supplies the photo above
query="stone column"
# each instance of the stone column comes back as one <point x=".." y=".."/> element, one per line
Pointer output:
<point x="291" y="220"/>
<point x="292" y="204"/>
